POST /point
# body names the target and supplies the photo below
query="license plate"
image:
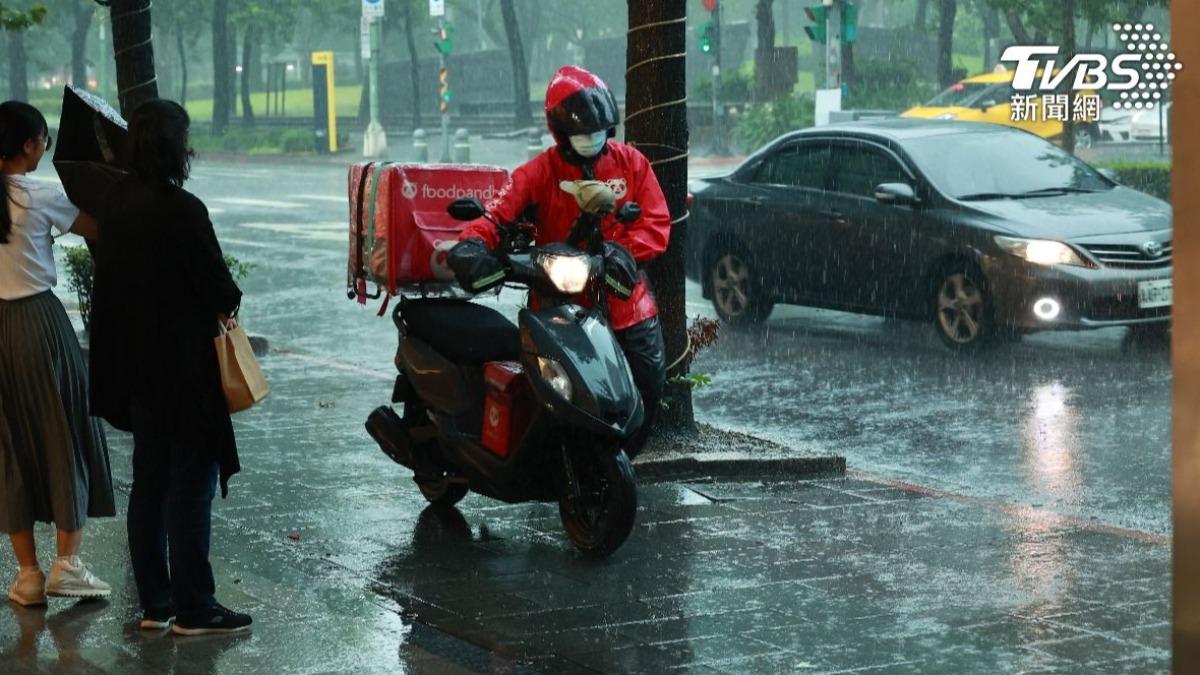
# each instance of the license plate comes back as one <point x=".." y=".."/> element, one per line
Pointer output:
<point x="1156" y="293"/>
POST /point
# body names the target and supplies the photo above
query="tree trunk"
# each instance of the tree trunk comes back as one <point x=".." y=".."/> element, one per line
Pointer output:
<point x="414" y="62"/>
<point x="947" y="12"/>
<point x="18" y="66"/>
<point x="522" y="113"/>
<point x="231" y="48"/>
<point x="991" y="31"/>
<point x="181" y="45"/>
<point x="247" y="53"/>
<point x="1068" y="46"/>
<point x="79" y="39"/>
<point x="134" y="52"/>
<point x="662" y="135"/>
<point x="921" y="21"/>
<point x="1017" y="27"/>
<point x="221" y="66"/>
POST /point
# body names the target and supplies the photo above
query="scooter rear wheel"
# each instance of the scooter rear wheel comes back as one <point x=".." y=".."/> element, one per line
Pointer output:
<point x="442" y="491"/>
<point x="597" y="499"/>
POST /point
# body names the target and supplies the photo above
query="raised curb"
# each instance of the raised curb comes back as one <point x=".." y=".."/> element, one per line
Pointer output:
<point x="789" y="468"/>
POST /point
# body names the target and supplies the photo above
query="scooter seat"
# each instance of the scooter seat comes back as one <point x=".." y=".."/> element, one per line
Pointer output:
<point x="464" y="332"/>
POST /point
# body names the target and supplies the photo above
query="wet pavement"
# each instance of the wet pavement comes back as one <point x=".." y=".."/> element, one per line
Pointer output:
<point x="1001" y="514"/>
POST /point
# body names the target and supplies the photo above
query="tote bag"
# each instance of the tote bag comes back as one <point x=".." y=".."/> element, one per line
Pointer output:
<point x="241" y="378"/>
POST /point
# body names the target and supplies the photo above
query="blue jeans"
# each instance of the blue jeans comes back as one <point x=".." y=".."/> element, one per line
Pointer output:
<point x="170" y="516"/>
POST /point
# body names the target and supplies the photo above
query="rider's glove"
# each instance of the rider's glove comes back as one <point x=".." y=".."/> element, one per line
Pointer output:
<point x="474" y="266"/>
<point x="620" y="270"/>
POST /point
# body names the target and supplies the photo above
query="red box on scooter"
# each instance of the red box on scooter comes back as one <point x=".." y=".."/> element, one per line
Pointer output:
<point x="506" y="407"/>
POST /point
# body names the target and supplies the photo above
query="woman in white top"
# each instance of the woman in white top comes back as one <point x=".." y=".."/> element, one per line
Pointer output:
<point x="53" y="458"/>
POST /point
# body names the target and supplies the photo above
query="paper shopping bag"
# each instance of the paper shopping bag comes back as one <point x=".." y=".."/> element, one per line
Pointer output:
<point x="241" y="377"/>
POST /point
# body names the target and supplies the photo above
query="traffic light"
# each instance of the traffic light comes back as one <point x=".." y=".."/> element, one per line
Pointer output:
<point x="710" y="38"/>
<point x="444" y="89"/>
<point x="816" y="14"/>
<point x="819" y="16"/>
<point x="445" y="39"/>
<point x="849" y="23"/>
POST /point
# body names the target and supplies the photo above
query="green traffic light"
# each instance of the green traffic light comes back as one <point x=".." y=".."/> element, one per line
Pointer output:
<point x="709" y="38"/>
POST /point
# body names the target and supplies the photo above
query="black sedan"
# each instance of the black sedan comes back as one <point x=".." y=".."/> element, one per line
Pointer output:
<point x="987" y="231"/>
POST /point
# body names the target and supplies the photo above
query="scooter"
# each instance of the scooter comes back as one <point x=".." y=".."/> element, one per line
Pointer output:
<point x="534" y="412"/>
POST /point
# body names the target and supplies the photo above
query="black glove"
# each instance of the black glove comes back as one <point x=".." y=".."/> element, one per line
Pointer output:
<point x="475" y="268"/>
<point x="620" y="270"/>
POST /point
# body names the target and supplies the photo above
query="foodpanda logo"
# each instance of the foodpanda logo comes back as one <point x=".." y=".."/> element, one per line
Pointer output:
<point x="494" y="417"/>
<point x="618" y="186"/>
<point x="409" y="190"/>
<point x="453" y="192"/>
<point x="437" y="259"/>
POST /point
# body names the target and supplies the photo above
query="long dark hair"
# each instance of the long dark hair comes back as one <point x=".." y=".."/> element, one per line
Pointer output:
<point x="157" y="149"/>
<point x="19" y="124"/>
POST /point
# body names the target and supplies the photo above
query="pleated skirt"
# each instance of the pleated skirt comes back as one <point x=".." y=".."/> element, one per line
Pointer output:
<point x="54" y="465"/>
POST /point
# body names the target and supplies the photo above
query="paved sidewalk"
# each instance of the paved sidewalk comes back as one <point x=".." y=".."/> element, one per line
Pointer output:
<point x="329" y="546"/>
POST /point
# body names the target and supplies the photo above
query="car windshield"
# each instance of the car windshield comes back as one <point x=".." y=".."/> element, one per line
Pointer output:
<point x="963" y="94"/>
<point x="1000" y="165"/>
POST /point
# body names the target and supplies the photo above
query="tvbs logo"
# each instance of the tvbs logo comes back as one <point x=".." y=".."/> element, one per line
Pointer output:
<point x="1142" y="74"/>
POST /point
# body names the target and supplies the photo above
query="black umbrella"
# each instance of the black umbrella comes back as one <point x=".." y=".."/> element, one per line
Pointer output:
<point x="89" y="150"/>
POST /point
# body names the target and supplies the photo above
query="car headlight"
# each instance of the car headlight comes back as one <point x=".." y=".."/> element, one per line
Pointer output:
<point x="1041" y="251"/>
<point x="947" y="116"/>
<point x="555" y="376"/>
<point x="568" y="273"/>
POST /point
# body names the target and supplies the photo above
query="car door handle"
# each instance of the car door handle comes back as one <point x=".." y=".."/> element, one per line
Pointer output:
<point x="757" y="200"/>
<point x="836" y="216"/>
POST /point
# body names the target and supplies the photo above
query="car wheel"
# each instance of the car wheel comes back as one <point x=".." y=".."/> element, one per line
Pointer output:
<point x="1084" y="138"/>
<point x="735" y="293"/>
<point x="962" y="310"/>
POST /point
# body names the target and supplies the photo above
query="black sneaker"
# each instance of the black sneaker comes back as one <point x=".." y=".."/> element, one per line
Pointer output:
<point x="213" y="620"/>
<point x="157" y="619"/>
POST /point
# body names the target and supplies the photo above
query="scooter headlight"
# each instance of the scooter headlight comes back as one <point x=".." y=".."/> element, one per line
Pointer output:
<point x="568" y="273"/>
<point x="555" y="376"/>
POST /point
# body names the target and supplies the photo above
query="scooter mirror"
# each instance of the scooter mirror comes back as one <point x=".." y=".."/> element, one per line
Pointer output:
<point x="466" y="209"/>
<point x="629" y="213"/>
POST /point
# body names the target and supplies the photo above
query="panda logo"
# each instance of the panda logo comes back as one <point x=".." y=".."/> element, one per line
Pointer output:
<point x="409" y="190"/>
<point x="618" y="186"/>
<point x="437" y="260"/>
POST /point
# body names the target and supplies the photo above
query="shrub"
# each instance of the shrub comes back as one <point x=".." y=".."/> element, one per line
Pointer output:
<point x="887" y="84"/>
<point x="737" y="86"/>
<point x="80" y="271"/>
<point x="1153" y="178"/>
<point x="763" y="122"/>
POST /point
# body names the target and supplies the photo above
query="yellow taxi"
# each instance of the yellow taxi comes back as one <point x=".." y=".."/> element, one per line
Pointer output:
<point x="988" y="98"/>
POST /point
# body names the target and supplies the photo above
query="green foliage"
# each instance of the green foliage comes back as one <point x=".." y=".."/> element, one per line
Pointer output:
<point x="763" y="122"/>
<point x="737" y="86"/>
<point x="1153" y="178"/>
<point x="79" y="280"/>
<point x="888" y="84"/>
<point x="80" y="271"/>
<point x="256" y="141"/>
<point x="19" y="20"/>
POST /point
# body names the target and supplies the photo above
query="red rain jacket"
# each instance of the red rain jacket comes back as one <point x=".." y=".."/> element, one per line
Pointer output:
<point x="628" y="173"/>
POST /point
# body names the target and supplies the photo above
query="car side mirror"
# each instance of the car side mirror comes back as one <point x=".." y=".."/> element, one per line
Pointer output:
<point x="987" y="104"/>
<point x="895" y="194"/>
<point x="466" y="209"/>
<point x="1111" y="175"/>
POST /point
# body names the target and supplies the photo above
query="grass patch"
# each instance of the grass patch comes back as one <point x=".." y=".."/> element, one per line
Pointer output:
<point x="237" y="140"/>
<point x="299" y="103"/>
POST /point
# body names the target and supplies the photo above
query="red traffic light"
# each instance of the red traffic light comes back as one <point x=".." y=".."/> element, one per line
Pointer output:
<point x="710" y="5"/>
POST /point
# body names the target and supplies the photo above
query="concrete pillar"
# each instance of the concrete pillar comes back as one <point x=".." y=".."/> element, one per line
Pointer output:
<point x="535" y="143"/>
<point x="420" y="147"/>
<point x="462" y="147"/>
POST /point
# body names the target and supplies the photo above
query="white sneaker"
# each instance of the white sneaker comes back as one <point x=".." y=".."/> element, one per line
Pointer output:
<point x="28" y="588"/>
<point x="70" y="578"/>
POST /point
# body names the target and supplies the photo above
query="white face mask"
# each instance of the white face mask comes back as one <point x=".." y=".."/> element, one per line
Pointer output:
<point x="589" y="145"/>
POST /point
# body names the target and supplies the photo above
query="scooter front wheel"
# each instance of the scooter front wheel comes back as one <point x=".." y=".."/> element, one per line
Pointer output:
<point x="441" y="491"/>
<point x="597" y="499"/>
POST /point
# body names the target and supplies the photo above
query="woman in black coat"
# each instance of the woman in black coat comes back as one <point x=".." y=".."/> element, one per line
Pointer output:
<point x="161" y="286"/>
